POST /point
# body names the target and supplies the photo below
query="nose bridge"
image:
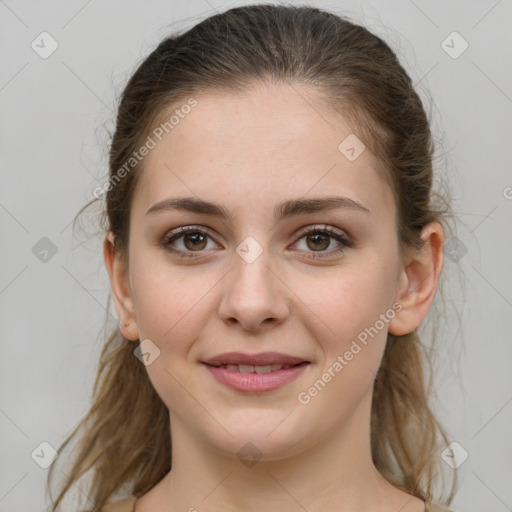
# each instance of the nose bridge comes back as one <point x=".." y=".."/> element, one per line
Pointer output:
<point x="253" y="265"/>
<point x="253" y="293"/>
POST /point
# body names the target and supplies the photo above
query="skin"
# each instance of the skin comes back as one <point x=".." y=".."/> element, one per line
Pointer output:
<point x="244" y="152"/>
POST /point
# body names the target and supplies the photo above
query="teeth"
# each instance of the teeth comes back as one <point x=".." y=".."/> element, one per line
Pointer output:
<point x="249" y="368"/>
<point x="262" y="369"/>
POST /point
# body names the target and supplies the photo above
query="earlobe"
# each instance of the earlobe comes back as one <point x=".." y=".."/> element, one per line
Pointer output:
<point x="121" y="292"/>
<point x="419" y="280"/>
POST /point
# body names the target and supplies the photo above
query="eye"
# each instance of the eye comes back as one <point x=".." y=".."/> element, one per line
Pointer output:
<point x="194" y="239"/>
<point x="319" y="238"/>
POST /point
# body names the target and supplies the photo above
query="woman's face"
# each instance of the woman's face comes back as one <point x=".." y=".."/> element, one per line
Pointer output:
<point x="267" y="278"/>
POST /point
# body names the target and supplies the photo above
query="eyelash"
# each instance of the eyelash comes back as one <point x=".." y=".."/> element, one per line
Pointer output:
<point x="179" y="233"/>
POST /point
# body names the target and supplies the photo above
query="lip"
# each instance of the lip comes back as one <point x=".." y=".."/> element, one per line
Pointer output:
<point x="261" y="359"/>
<point x="256" y="382"/>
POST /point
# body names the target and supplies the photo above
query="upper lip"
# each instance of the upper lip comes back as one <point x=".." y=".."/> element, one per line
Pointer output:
<point x="262" y="359"/>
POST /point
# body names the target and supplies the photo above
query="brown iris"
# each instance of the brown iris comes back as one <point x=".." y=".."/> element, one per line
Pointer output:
<point x="197" y="239"/>
<point x="315" y="238"/>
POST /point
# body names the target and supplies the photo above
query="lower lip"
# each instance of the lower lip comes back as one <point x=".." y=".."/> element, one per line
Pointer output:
<point x="256" y="382"/>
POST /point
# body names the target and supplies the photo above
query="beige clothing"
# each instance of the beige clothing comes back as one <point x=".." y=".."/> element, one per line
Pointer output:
<point x="128" y="505"/>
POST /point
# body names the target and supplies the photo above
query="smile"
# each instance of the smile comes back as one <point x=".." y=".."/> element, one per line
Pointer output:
<point x="249" y="368"/>
<point x="256" y="379"/>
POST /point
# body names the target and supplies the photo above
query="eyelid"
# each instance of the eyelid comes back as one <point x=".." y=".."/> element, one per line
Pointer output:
<point x="339" y="235"/>
<point x="322" y="227"/>
<point x="177" y="233"/>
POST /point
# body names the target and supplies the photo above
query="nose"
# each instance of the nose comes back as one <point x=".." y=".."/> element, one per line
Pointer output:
<point x="254" y="297"/>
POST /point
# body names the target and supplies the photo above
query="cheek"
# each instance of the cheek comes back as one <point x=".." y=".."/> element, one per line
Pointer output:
<point x="172" y="307"/>
<point x="352" y="335"/>
<point x="171" y="303"/>
<point x="348" y="300"/>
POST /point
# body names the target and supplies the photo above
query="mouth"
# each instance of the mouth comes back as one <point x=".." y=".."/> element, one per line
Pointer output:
<point x="256" y="379"/>
<point x="262" y="359"/>
<point x="249" y="368"/>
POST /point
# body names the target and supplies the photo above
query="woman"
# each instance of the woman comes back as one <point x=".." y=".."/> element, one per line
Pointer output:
<point x="272" y="246"/>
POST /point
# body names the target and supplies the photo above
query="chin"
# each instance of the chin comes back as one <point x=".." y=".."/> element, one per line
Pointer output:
<point x="261" y="435"/>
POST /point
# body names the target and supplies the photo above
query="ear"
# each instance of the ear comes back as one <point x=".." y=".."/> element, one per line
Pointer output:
<point x="119" y="282"/>
<point x="419" y="280"/>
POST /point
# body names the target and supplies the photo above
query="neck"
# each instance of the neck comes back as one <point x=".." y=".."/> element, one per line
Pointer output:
<point x="335" y="473"/>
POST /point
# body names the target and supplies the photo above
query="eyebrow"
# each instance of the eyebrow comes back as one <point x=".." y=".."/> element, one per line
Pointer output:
<point x="283" y="210"/>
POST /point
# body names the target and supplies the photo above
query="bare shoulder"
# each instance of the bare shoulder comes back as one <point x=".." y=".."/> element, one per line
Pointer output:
<point x="127" y="505"/>
<point x="430" y="507"/>
<point x="122" y="505"/>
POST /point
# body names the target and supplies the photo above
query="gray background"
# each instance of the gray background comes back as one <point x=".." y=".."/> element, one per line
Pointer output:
<point x="56" y="115"/>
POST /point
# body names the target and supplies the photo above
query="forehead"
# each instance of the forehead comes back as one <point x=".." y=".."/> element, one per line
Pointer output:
<point x="267" y="144"/>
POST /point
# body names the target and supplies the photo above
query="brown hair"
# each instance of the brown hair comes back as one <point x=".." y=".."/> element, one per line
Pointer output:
<point x="356" y="73"/>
